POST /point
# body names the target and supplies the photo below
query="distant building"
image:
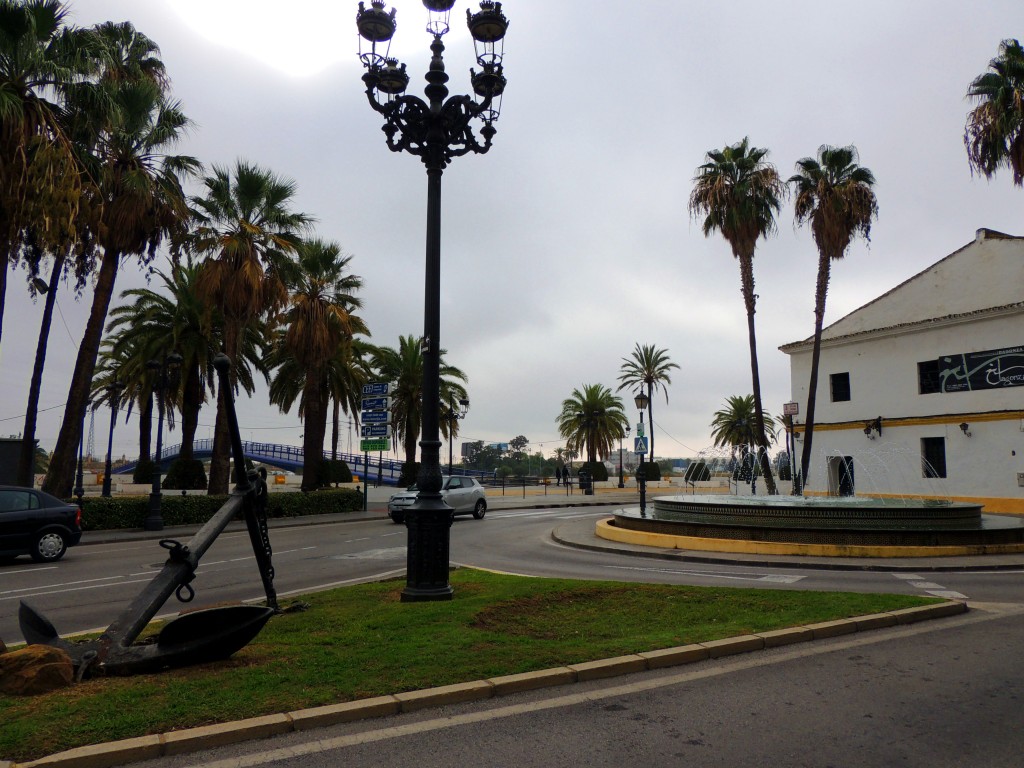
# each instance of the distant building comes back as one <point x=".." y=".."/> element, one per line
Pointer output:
<point x="921" y="391"/>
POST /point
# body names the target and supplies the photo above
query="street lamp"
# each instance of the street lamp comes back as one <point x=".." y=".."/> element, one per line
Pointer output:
<point x="452" y="416"/>
<point x="154" y="519"/>
<point x="113" y="395"/>
<point x="436" y="130"/>
<point x="622" y="483"/>
<point x="641" y="400"/>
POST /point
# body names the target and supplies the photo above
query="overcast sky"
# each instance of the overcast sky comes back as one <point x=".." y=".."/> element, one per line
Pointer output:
<point x="570" y="240"/>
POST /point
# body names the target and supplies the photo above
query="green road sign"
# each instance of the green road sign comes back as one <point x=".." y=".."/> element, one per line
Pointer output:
<point x="378" y="444"/>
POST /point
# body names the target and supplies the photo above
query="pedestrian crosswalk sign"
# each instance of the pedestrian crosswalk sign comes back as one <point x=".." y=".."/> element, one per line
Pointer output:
<point x="640" y="445"/>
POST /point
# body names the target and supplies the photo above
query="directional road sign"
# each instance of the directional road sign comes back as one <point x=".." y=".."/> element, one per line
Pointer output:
<point x="375" y="444"/>
<point x="376" y="417"/>
<point x="377" y="389"/>
<point x="640" y="445"/>
<point x="376" y="403"/>
<point x="640" y="430"/>
<point x="375" y="430"/>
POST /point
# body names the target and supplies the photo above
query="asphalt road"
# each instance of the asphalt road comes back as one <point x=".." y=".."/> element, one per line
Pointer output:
<point x="939" y="694"/>
<point x="88" y="587"/>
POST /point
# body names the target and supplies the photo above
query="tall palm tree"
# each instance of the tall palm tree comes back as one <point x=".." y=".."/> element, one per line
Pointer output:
<point x="592" y="419"/>
<point x="994" y="136"/>
<point x="738" y="193"/>
<point x="40" y="176"/>
<point x="245" y="226"/>
<point x="735" y="425"/>
<point x="172" y="319"/>
<point x="403" y="367"/>
<point x="835" y="196"/>
<point x="143" y="204"/>
<point x="319" y="323"/>
<point x="649" y="367"/>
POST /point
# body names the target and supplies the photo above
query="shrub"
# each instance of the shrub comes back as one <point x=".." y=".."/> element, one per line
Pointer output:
<point x="409" y="471"/>
<point x="186" y="473"/>
<point x="333" y="471"/>
<point x="597" y="470"/>
<point x="651" y="470"/>
<point x="144" y="471"/>
<point x="117" y="512"/>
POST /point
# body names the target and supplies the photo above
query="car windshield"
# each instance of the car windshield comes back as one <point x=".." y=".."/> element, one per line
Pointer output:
<point x="414" y="487"/>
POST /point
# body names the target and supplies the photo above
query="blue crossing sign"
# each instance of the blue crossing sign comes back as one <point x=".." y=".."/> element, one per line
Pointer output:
<point x="640" y="445"/>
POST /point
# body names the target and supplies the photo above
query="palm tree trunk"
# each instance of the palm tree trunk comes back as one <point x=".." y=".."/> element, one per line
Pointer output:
<point x="820" y="293"/>
<point x="220" y="458"/>
<point x="334" y="429"/>
<point x="313" y="435"/>
<point x="4" y="258"/>
<point x="750" y="300"/>
<point x="60" y="475"/>
<point x="192" y="399"/>
<point x="27" y="457"/>
<point x="146" y="427"/>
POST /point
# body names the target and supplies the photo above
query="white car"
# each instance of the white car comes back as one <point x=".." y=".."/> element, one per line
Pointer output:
<point x="464" y="495"/>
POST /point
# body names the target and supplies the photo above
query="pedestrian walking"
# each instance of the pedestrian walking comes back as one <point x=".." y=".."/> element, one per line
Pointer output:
<point x="558" y="475"/>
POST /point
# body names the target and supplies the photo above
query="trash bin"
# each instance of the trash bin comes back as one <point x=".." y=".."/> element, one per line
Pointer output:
<point x="586" y="484"/>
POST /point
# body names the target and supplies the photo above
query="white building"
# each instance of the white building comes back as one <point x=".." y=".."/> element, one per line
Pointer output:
<point x="921" y="391"/>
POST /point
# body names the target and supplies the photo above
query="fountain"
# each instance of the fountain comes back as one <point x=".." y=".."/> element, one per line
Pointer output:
<point x="852" y="526"/>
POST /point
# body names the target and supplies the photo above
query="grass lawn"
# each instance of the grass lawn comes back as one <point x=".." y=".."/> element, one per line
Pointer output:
<point x="361" y="641"/>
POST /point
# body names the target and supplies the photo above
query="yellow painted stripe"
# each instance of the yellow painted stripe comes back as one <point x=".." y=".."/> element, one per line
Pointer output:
<point x="605" y="530"/>
<point x="915" y="421"/>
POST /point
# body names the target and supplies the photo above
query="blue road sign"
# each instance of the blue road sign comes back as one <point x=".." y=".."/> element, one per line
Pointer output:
<point x="376" y="403"/>
<point x="376" y="417"/>
<point x="375" y="430"/>
<point x="640" y="445"/>
<point x="377" y="388"/>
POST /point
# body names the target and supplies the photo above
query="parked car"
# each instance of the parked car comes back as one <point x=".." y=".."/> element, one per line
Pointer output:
<point x="464" y="495"/>
<point x="37" y="524"/>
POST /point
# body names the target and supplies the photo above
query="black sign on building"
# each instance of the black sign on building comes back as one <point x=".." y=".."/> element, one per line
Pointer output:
<point x="992" y="369"/>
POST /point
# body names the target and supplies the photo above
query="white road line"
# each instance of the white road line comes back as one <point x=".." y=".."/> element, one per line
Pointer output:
<point x="62" y="584"/>
<point x="929" y="587"/>
<point x="30" y="570"/>
<point x="773" y="578"/>
<point x="75" y="589"/>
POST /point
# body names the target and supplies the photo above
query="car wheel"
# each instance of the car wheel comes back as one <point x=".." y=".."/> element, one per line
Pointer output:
<point x="397" y="518"/>
<point x="49" y="547"/>
<point x="480" y="509"/>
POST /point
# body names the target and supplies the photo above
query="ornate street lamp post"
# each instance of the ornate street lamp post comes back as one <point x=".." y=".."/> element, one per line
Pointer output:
<point x="154" y="519"/>
<point x="452" y="416"/>
<point x="436" y="130"/>
<point x="622" y="483"/>
<point x="113" y="395"/>
<point x="641" y="400"/>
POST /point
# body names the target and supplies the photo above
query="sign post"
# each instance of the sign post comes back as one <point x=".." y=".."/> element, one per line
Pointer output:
<point x="789" y="410"/>
<point x="375" y="427"/>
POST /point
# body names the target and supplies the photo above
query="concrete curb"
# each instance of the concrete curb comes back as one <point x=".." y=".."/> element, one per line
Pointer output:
<point x="205" y="737"/>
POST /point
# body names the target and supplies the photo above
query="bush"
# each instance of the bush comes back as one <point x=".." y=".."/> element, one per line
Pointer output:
<point x="409" y="471"/>
<point x="333" y="471"/>
<point x="697" y="472"/>
<point x="144" y="472"/>
<point x="186" y="473"/>
<point x="651" y="470"/>
<point x="100" y="513"/>
<point x="597" y="470"/>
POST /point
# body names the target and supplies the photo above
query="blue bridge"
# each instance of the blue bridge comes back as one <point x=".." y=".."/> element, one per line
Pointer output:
<point x="288" y="457"/>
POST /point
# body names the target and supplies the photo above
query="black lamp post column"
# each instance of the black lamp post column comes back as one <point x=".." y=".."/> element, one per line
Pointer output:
<point x="453" y="417"/>
<point x="436" y="130"/>
<point x="622" y="481"/>
<point x="113" y="393"/>
<point x="641" y="400"/>
<point x="154" y="518"/>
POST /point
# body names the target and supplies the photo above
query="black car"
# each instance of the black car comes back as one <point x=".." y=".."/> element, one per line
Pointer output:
<point x="37" y="524"/>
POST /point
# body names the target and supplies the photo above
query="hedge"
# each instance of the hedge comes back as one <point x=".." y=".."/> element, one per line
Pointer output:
<point x="100" y="513"/>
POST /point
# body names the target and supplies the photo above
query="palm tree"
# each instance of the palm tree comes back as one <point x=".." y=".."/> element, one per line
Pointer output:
<point x="994" y="136"/>
<point x="403" y="368"/>
<point x="739" y="193"/>
<point x="648" y="367"/>
<point x="173" y="319"/>
<point x="834" y="194"/>
<point x="143" y="204"/>
<point x="319" y="323"/>
<point x="246" y="226"/>
<point x="40" y="176"/>
<point x="592" y="420"/>
<point x="736" y="426"/>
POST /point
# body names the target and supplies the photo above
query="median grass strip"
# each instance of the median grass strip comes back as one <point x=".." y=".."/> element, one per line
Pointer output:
<point x="361" y="641"/>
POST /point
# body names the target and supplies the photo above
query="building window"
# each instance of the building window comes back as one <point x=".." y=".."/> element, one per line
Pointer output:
<point x="933" y="456"/>
<point x="840" y="383"/>
<point x="928" y="377"/>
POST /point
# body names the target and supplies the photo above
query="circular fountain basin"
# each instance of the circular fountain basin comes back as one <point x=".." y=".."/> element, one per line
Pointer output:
<point x="837" y="521"/>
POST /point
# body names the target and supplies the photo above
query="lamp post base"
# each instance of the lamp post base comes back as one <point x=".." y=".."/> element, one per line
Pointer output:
<point x="154" y="520"/>
<point x="428" y="553"/>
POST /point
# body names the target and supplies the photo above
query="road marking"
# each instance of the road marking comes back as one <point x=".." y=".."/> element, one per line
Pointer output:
<point x="30" y="570"/>
<point x="60" y="584"/>
<point x="373" y="554"/>
<point x="77" y="589"/>
<point x="773" y="578"/>
<point x="929" y="587"/>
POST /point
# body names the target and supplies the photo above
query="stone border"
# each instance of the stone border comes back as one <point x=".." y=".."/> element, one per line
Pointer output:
<point x="206" y="737"/>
